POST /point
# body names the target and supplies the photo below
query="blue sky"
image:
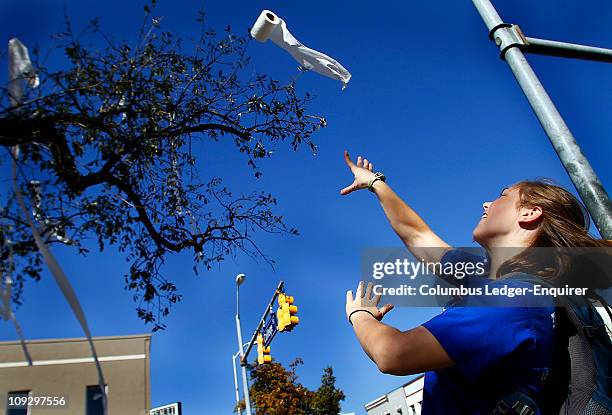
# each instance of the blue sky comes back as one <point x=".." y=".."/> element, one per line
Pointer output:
<point x="430" y="103"/>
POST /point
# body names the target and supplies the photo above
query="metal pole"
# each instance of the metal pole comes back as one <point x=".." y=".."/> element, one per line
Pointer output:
<point x="245" y="383"/>
<point x="236" y="382"/>
<point x="567" y="50"/>
<point x="577" y="166"/>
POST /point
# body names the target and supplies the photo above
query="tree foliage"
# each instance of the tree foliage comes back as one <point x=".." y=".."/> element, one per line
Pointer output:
<point x="108" y="152"/>
<point x="275" y="390"/>
<point x="326" y="400"/>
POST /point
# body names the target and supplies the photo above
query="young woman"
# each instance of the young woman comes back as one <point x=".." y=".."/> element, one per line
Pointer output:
<point x="474" y="356"/>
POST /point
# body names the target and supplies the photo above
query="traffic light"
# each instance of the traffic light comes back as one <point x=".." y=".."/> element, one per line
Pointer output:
<point x="263" y="352"/>
<point x="285" y="315"/>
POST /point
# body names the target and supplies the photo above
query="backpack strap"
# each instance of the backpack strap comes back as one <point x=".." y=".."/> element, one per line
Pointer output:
<point x="604" y="304"/>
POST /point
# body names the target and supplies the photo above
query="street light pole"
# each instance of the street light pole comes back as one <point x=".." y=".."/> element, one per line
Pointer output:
<point x="245" y="384"/>
<point x="511" y="43"/>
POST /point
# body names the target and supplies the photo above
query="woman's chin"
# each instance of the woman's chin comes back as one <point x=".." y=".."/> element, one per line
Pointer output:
<point x="479" y="237"/>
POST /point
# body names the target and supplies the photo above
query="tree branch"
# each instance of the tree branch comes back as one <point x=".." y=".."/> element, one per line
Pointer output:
<point x="245" y="135"/>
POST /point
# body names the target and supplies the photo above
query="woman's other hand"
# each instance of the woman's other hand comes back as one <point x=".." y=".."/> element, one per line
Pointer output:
<point x="362" y="172"/>
<point x="366" y="300"/>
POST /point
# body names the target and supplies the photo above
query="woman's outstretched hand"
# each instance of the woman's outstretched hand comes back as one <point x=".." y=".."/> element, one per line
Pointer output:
<point x="362" y="172"/>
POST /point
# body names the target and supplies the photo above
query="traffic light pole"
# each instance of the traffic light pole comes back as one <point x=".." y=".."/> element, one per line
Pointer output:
<point x="512" y="43"/>
<point x="261" y="323"/>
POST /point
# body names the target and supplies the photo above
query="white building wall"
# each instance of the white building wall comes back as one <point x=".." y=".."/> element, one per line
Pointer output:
<point x="405" y="400"/>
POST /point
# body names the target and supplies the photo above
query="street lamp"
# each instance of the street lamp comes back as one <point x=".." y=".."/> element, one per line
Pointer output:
<point x="239" y="280"/>
<point x="245" y="384"/>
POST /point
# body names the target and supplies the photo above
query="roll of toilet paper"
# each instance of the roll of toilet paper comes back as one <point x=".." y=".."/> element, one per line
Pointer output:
<point x="265" y="24"/>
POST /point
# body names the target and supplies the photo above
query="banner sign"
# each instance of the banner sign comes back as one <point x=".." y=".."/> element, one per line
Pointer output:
<point x="269" y="329"/>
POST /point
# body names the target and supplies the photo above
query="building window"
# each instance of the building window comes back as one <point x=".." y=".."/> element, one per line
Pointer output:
<point x="94" y="399"/>
<point x="17" y="403"/>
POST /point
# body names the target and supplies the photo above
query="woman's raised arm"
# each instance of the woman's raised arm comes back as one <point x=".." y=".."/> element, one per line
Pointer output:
<point x="418" y="237"/>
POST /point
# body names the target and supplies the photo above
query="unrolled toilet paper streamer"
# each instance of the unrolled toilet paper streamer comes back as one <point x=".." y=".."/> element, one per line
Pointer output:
<point x="20" y="69"/>
<point x="7" y="314"/>
<point x="269" y="26"/>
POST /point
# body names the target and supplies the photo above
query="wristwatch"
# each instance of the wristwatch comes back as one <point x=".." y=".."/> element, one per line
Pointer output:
<point x="377" y="176"/>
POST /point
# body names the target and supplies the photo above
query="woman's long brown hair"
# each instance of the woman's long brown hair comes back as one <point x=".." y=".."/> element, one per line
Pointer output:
<point x="564" y="224"/>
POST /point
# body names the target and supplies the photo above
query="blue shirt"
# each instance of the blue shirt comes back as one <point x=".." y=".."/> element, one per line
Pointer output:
<point x="499" y="346"/>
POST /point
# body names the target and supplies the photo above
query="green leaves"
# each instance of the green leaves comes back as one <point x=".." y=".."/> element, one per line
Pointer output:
<point x="276" y="391"/>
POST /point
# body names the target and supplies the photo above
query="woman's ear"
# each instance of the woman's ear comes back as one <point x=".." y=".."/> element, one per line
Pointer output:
<point x="530" y="216"/>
